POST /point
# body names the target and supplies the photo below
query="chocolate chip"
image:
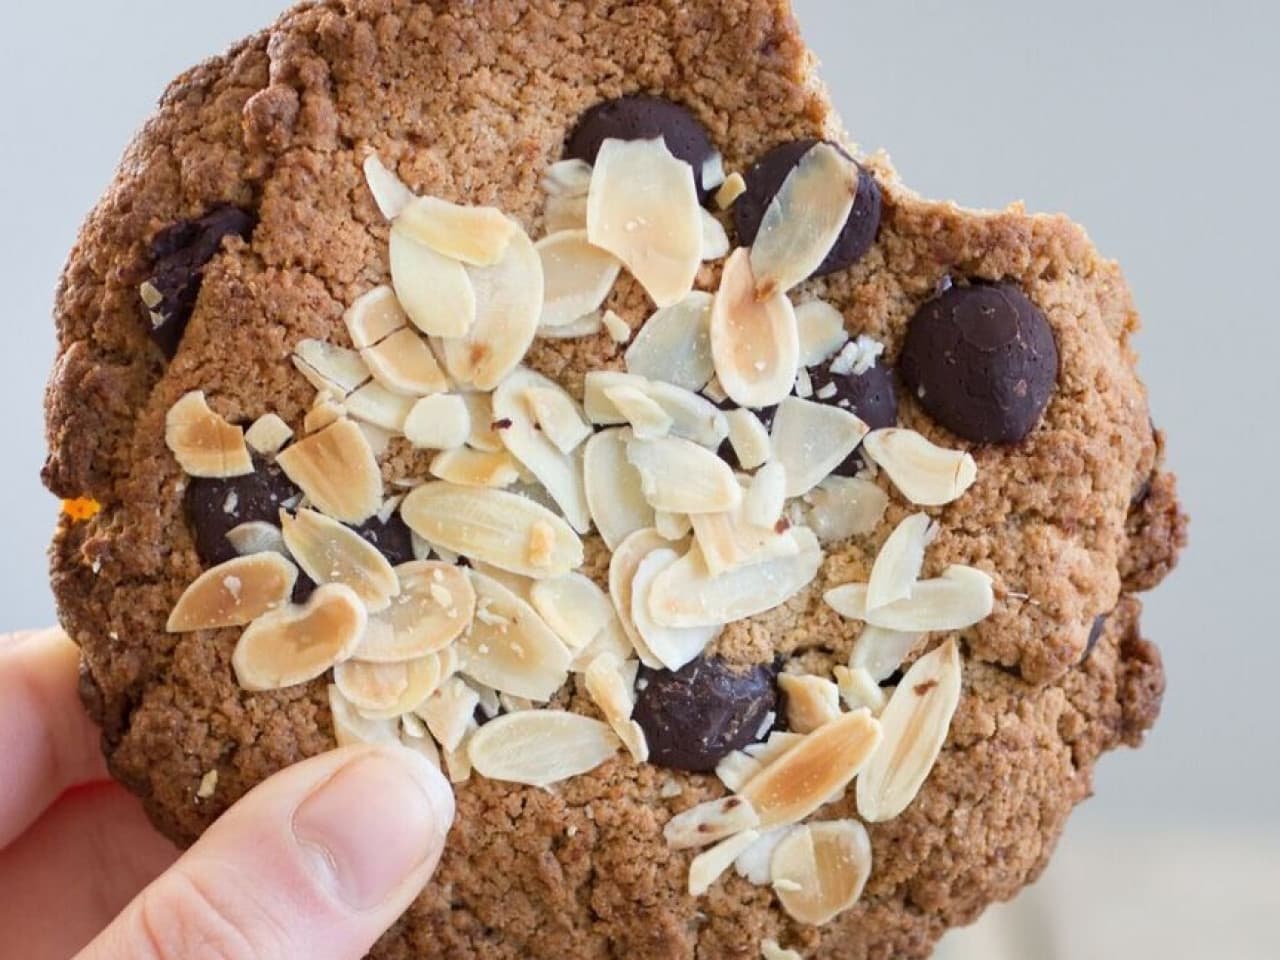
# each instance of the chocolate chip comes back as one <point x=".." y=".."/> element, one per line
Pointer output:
<point x="765" y="179"/>
<point x="179" y="255"/>
<point x="393" y="539"/>
<point x="695" y="717"/>
<point x="215" y="507"/>
<point x="641" y="117"/>
<point x="1095" y="634"/>
<point x="983" y="362"/>
<point x="871" y="396"/>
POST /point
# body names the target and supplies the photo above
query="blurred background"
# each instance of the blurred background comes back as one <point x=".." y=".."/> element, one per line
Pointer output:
<point x="1153" y="123"/>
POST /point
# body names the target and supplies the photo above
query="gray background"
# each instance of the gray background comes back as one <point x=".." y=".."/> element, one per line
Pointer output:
<point x="1154" y="123"/>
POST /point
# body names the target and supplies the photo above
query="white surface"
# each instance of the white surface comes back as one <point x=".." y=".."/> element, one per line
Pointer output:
<point x="1154" y="123"/>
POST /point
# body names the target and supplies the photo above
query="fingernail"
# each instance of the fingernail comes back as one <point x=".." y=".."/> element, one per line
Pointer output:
<point x="374" y="824"/>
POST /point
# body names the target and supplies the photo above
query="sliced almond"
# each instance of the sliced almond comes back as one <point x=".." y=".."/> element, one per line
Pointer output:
<point x="729" y="540"/>
<point x="915" y="724"/>
<point x="387" y="690"/>
<point x="753" y="864"/>
<point x="474" y="468"/>
<point x="674" y="345"/>
<point x="333" y="553"/>
<point x="495" y="527"/>
<point x="674" y="526"/>
<point x="375" y="404"/>
<point x="811" y="701"/>
<point x="613" y="489"/>
<point x="612" y="693"/>
<point x="961" y="597"/>
<point x="711" y="176"/>
<point x="897" y="566"/>
<point x="817" y="768"/>
<point x="458" y="763"/>
<point x="202" y="442"/>
<point x="844" y="507"/>
<point x="623" y="564"/>
<point x="374" y="316"/>
<point x="294" y="644"/>
<point x="508" y="303"/>
<point x="234" y="593"/>
<point x="337" y="471"/>
<point x="926" y="474"/>
<point x="573" y="606"/>
<point x="692" y="417"/>
<point x="822" y="332"/>
<point x="559" y="473"/>
<point x="819" y="869"/>
<point x="766" y="496"/>
<point x="435" y="291"/>
<point x="541" y="747"/>
<point x="687" y="595"/>
<point x="435" y="605"/>
<point x="715" y="241"/>
<point x="324" y="413"/>
<point x="350" y="728"/>
<point x="389" y="193"/>
<point x="474" y="235"/>
<point x="643" y="208"/>
<point x="565" y="213"/>
<point x="736" y="769"/>
<point x="268" y="435"/>
<point x="489" y="701"/>
<point x="804" y="220"/>
<point x="812" y="439"/>
<point x="509" y="647"/>
<point x="612" y="641"/>
<point x="674" y="647"/>
<point x="618" y="329"/>
<point x="555" y="413"/>
<point x="440" y="422"/>
<point x="881" y="652"/>
<point x="733" y="187"/>
<point x="449" y="712"/>
<point x="681" y="477"/>
<point x="326" y="367"/>
<point x="422" y="745"/>
<point x="404" y="364"/>
<point x="710" y="822"/>
<point x="858" y="357"/>
<point x="749" y="438"/>
<point x="567" y="178"/>
<point x="257" y="536"/>
<point x="483" y="435"/>
<point x="779" y="742"/>
<point x="707" y="866"/>
<point x="577" y="276"/>
<point x="754" y="341"/>
<point x="647" y="418"/>
<point x="858" y="689"/>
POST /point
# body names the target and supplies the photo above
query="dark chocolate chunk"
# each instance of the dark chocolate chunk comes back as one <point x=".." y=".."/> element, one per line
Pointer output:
<point x="1095" y="634"/>
<point x="982" y="361"/>
<point x="695" y="717"/>
<point x="765" y="179"/>
<point x="393" y="539"/>
<point x="870" y="396"/>
<point x="216" y="506"/>
<point x="179" y="255"/>
<point x="642" y="117"/>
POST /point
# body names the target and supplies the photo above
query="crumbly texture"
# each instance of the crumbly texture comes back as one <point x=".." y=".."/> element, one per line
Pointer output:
<point x="471" y="101"/>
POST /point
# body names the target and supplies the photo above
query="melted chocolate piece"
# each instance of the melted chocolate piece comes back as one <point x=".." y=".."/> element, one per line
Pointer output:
<point x="217" y="506"/>
<point x="871" y="396"/>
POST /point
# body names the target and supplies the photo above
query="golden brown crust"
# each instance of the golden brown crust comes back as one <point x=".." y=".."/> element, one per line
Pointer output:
<point x="471" y="101"/>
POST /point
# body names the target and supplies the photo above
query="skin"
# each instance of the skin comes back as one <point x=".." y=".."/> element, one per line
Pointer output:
<point x="316" y="862"/>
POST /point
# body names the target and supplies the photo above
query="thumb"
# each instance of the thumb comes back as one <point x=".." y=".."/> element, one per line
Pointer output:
<point x="316" y="862"/>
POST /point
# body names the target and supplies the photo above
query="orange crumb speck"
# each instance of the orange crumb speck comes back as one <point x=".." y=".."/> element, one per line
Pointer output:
<point x="81" y="508"/>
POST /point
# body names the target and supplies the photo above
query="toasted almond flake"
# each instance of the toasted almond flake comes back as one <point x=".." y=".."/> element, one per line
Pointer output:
<point x="483" y="436"/>
<point x="565" y="213"/>
<point x="573" y="606"/>
<point x="674" y="345"/>
<point x="404" y="364"/>
<point x="804" y="219"/>
<point x="337" y="471"/>
<point x="618" y="329"/>
<point x="412" y="728"/>
<point x="208" y="785"/>
<point x="706" y="867"/>
<point x="819" y="869"/>
<point x="812" y="439"/>
<point x="858" y="689"/>
<point x="844" y="507"/>
<point x="613" y="487"/>
<point x="385" y="691"/>
<point x="324" y="413"/>
<point x="733" y="187"/>
<point x="440" y="422"/>
<point x="679" y="476"/>
<point x="898" y="563"/>
<point x="435" y="291"/>
<point x="558" y="472"/>
<point x="435" y="605"/>
<point x="612" y="693"/>
<point x="779" y="742"/>
<point x="374" y="316"/>
<point x="961" y="597"/>
<point x="567" y="178"/>
<point x="577" y="275"/>
<point x="714" y="391"/>
<point x="379" y="439"/>
<point x="389" y="193"/>
<point x="509" y="647"/>
<point x="674" y="647"/>
<point x="711" y="176"/>
<point x="508" y="303"/>
<point x="490" y="702"/>
<point x="625" y="561"/>
<point x="647" y="418"/>
<point x="512" y="704"/>
<point x="811" y="701"/>
<point x="749" y="438"/>
<point x="493" y="526"/>
<point x="150" y="294"/>
<point x="729" y="540"/>
<point x="804" y="385"/>
<point x="202" y="442"/>
<point x="881" y="652"/>
<point x="294" y="644"/>
<point x="755" y="344"/>
<point x="234" y="593"/>
<point x="268" y="435"/>
<point x="766" y="496"/>
<point x="736" y="769"/>
<point x="474" y="468"/>
<point x="351" y="728"/>
<point x="376" y="405"/>
<point x="474" y="235"/>
<point x="554" y="411"/>
<point x="915" y="724"/>
<point x="449" y="711"/>
<point x="458" y="763"/>
<point x="924" y="473"/>
<point x="673" y="526"/>
<point x="541" y="747"/>
<point x="812" y="772"/>
<point x="715" y="241"/>
<point x="333" y="553"/>
<point x="692" y="417"/>
<point x="424" y="745"/>
<point x="257" y="536"/>
<point x="611" y="640"/>
<point x="710" y="822"/>
<point x="643" y="208"/>
<point x="753" y="863"/>
<point x="687" y="595"/>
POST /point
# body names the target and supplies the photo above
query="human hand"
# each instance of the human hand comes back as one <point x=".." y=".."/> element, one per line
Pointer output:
<point x="316" y="862"/>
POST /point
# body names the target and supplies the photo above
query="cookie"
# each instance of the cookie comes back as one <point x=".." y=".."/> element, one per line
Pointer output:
<point x="434" y="316"/>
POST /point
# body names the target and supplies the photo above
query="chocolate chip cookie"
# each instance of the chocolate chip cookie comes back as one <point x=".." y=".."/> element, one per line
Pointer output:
<point x="554" y="389"/>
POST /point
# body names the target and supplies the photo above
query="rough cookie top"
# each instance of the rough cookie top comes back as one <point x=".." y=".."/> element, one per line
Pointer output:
<point x="609" y="512"/>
